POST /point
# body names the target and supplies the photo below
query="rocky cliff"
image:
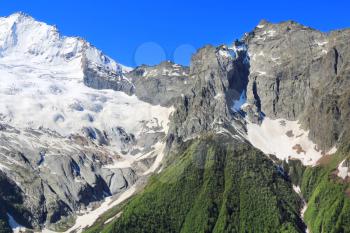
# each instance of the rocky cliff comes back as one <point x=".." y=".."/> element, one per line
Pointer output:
<point x="77" y="127"/>
<point x="299" y="73"/>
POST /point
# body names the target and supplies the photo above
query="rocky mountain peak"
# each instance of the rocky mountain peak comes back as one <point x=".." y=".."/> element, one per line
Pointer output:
<point x="290" y="65"/>
<point x="69" y="142"/>
<point x="78" y="127"/>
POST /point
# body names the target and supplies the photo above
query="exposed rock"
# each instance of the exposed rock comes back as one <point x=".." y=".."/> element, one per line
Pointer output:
<point x="161" y="84"/>
<point x="298" y="73"/>
<point x="57" y="175"/>
<point x="220" y="77"/>
<point x="284" y="70"/>
<point x="98" y="77"/>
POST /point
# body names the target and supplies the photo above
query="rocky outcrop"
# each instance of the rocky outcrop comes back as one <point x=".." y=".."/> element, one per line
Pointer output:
<point x="99" y="77"/>
<point x="161" y="84"/>
<point x="284" y="70"/>
<point x="220" y="77"/>
<point x="57" y="175"/>
<point x="298" y="73"/>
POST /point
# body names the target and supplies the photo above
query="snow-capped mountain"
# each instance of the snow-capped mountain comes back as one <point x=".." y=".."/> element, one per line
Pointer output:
<point x="67" y="138"/>
<point x="25" y="38"/>
<point x="80" y="133"/>
<point x="44" y="84"/>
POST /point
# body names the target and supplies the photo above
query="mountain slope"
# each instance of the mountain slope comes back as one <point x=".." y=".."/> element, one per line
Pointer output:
<point x="274" y="89"/>
<point x="327" y="194"/>
<point x="233" y="136"/>
<point x="67" y="138"/>
<point x="298" y="73"/>
<point x="220" y="186"/>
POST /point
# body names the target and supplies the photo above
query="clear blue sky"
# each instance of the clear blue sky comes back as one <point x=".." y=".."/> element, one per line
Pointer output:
<point x="134" y="32"/>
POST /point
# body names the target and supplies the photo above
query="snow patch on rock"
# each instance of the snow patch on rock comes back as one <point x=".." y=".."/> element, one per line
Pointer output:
<point x="16" y="227"/>
<point x="343" y="170"/>
<point x="284" y="139"/>
<point x="238" y="104"/>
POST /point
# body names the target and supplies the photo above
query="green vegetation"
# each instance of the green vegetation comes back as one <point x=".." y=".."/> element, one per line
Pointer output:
<point x="328" y="204"/>
<point x="100" y="226"/>
<point x="218" y="186"/>
<point x="215" y="186"/>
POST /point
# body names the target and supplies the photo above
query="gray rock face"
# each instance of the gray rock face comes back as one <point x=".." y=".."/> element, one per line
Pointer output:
<point x="58" y="175"/>
<point x="161" y="84"/>
<point x="299" y="73"/>
<point x="158" y="85"/>
<point x="284" y="70"/>
<point x="220" y="76"/>
<point x="98" y="77"/>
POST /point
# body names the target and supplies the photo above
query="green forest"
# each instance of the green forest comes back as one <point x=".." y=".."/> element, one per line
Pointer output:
<point x="216" y="185"/>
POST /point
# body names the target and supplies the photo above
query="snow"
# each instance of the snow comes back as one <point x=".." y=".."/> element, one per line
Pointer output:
<point x="261" y="72"/>
<point x="156" y="71"/>
<point x="321" y="46"/>
<point x="343" y="171"/>
<point x="297" y="189"/>
<point x="41" y="87"/>
<point x="159" y="150"/>
<point x="255" y="56"/>
<point x="126" y="69"/>
<point x="3" y="167"/>
<point x="321" y="43"/>
<point x="284" y="139"/>
<point x="271" y="33"/>
<point x="219" y="96"/>
<point x="333" y="150"/>
<point x="36" y="96"/>
<point x="303" y="210"/>
<point x="239" y="47"/>
<point x="307" y="230"/>
<point x="42" y="84"/>
<point x="233" y="51"/>
<point x="89" y="218"/>
<point x="22" y="36"/>
<point x="125" y="162"/>
<point x="16" y="227"/>
<point x="238" y="104"/>
<point x="276" y="60"/>
<point x="225" y="53"/>
<point x="113" y="218"/>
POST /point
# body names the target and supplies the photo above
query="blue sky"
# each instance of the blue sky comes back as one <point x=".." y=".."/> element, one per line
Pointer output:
<point x="136" y="32"/>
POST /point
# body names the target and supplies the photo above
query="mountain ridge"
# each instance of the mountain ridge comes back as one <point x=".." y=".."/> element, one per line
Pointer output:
<point x="106" y="130"/>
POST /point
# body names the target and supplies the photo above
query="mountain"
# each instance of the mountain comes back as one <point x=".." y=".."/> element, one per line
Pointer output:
<point x="252" y="137"/>
<point x="65" y="145"/>
<point x="282" y="90"/>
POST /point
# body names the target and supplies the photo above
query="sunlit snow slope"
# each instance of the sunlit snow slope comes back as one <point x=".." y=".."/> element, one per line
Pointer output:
<point x="42" y="84"/>
<point x="69" y="144"/>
